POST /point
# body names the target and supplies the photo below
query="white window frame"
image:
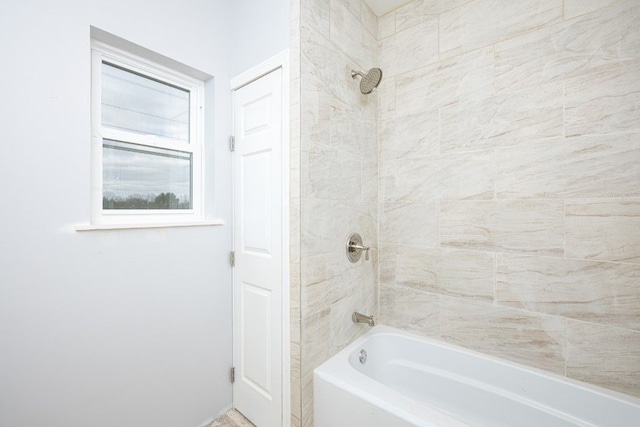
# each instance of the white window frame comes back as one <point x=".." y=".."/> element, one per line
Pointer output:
<point x="101" y="52"/>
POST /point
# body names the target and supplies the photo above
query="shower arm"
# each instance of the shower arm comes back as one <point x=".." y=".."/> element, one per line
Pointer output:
<point x="356" y="73"/>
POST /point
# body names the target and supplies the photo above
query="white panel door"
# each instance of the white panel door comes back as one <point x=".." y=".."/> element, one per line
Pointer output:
<point x="257" y="391"/>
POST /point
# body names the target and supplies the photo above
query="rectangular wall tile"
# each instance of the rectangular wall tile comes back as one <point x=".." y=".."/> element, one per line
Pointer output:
<point x="343" y="330"/>
<point x="353" y="126"/>
<point x="354" y="6"/>
<point x="570" y="48"/>
<point x="410" y="310"/>
<point x="315" y="111"/>
<point x="516" y="335"/>
<point x="319" y="227"/>
<point x="332" y="173"/>
<point x="386" y="97"/>
<point x="386" y="25"/>
<point x="352" y="38"/>
<point x="316" y="333"/>
<point x="520" y="226"/>
<point x="585" y="290"/>
<point x="468" y="274"/>
<point x="603" y="166"/>
<point x="295" y="380"/>
<point x="482" y="23"/>
<point x="457" y="176"/>
<point x="369" y="19"/>
<point x="307" y="400"/>
<point x="603" y="102"/>
<point x="369" y="174"/>
<point x="503" y="120"/>
<point x="410" y="136"/>
<point x="603" y="230"/>
<point x="409" y="223"/>
<point x="428" y="88"/>
<point x="418" y="10"/>
<point x="327" y="279"/>
<point x="409" y="49"/>
<point x="579" y="7"/>
<point x="315" y="14"/>
<point x="606" y="356"/>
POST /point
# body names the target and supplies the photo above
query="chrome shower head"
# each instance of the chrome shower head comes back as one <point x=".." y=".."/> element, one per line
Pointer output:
<point x="370" y="80"/>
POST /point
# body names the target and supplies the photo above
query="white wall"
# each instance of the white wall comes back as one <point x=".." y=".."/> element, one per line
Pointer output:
<point x="260" y="31"/>
<point x="105" y="328"/>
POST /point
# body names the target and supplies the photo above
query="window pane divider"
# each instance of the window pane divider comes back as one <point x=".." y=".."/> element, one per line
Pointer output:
<point x="147" y="140"/>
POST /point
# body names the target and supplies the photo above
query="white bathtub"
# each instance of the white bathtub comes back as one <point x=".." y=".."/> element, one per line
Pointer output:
<point x="412" y="381"/>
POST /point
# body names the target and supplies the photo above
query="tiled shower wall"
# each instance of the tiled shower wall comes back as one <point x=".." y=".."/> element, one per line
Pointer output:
<point x="294" y="215"/>
<point x="338" y="180"/>
<point x="509" y="144"/>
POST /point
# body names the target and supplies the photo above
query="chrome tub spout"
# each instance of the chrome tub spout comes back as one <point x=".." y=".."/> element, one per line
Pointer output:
<point x="361" y="318"/>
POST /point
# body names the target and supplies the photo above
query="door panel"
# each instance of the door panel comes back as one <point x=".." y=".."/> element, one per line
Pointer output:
<point x="257" y="391"/>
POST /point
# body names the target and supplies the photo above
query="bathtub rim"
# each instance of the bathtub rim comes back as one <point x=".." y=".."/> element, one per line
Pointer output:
<point x="369" y="389"/>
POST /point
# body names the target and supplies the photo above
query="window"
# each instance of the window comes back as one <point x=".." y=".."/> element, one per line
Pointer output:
<point x="147" y="134"/>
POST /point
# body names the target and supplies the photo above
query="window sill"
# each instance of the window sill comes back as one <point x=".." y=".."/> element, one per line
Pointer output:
<point x="95" y="227"/>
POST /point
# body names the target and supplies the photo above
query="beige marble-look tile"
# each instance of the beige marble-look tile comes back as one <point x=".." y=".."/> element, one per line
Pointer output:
<point x="605" y="230"/>
<point x="296" y="403"/>
<point x="316" y="329"/>
<point x="354" y="6"/>
<point x="307" y="400"/>
<point x="410" y="310"/>
<point x="343" y="330"/>
<point x="369" y="19"/>
<point x="294" y="58"/>
<point x="418" y="10"/>
<point x="386" y="97"/>
<point x="592" y="291"/>
<point x="467" y="274"/>
<point x="332" y="173"/>
<point x="325" y="225"/>
<point x="603" y="355"/>
<point x="315" y="110"/>
<point x="350" y="36"/>
<point x="574" y="8"/>
<point x="503" y="120"/>
<point x="386" y="25"/>
<point x="585" y="167"/>
<point x="410" y="49"/>
<point x="328" y="278"/>
<point x="315" y="14"/>
<point x="452" y="176"/>
<point x="409" y="223"/>
<point x="516" y="226"/>
<point x="319" y="59"/>
<point x="428" y="88"/>
<point x="570" y="48"/>
<point x="353" y="127"/>
<point x="369" y="174"/>
<point x="516" y="335"/>
<point x="481" y="23"/>
<point x="294" y="297"/>
<point x="409" y="136"/>
<point x="294" y="178"/>
<point x="604" y="101"/>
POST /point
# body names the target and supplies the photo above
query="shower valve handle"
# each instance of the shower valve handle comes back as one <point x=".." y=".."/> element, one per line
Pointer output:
<point x="355" y="246"/>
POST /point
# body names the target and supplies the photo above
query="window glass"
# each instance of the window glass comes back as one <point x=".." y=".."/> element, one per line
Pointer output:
<point x="141" y="177"/>
<point x="135" y="103"/>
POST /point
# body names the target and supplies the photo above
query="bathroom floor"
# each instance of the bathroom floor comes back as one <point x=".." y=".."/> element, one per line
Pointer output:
<point x="232" y="418"/>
